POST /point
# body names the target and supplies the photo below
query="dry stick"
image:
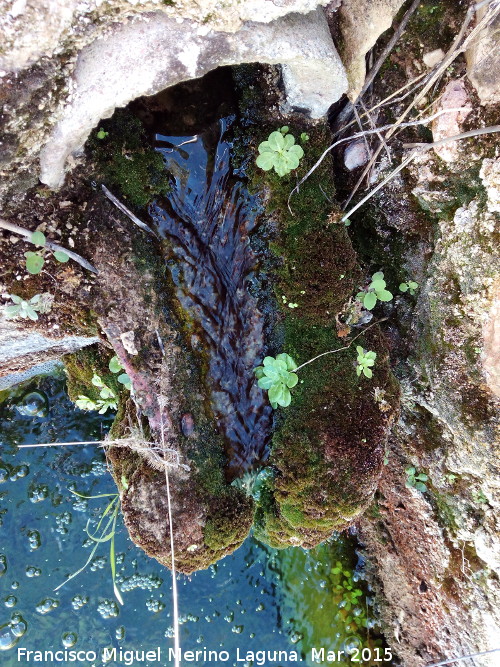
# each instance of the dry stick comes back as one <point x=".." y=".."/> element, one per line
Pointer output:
<point x="128" y="213"/>
<point x="436" y="73"/>
<point x="410" y="123"/>
<point x="413" y="154"/>
<point x="463" y="657"/>
<point x="380" y="61"/>
<point x="53" y="246"/>
<point x="340" y="348"/>
<point x="390" y="45"/>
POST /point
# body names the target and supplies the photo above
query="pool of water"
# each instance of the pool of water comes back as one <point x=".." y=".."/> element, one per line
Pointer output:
<point x="254" y="600"/>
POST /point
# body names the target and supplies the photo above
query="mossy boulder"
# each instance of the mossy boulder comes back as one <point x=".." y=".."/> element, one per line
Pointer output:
<point x="327" y="450"/>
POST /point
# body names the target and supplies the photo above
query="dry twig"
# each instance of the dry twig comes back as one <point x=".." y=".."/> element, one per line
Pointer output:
<point x="49" y="244"/>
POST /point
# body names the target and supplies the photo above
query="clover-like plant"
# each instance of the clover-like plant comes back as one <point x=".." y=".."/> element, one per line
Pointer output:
<point x="409" y="286"/>
<point x="36" y="260"/>
<point x="107" y="400"/>
<point x="376" y="291"/>
<point x="115" y="366"/>
<point x="365" y="360"/>
<point x="24" y="308"/>
<point x="279" y="152"/>
<point x="277" y="377"/>
<point x="415" y="480"/>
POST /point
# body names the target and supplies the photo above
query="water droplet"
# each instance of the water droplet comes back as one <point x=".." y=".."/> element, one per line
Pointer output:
<point x="69" y="639"/>
<point x="33" y="404"/>
<point x="10" y="601"/>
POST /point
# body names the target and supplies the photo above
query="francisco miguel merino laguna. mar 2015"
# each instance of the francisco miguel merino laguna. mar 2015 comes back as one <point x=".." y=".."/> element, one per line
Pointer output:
<point x="260" y="658"/>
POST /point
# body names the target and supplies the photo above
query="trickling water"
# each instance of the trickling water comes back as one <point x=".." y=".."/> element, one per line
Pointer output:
<point x="207" y="218"/>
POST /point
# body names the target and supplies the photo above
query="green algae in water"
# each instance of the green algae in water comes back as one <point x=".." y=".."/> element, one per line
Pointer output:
<point x="243" y="602"/>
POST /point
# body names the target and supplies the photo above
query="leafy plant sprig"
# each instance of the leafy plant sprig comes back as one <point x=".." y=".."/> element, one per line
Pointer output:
<point x="35" y="260"/>
<point x="115" y="366"/>
<point x="365" y="360"/>
<point x="376" y="291"/>
<point x="277" y="376"/>
<point x="415" y="480"/>
<point x="108" y="399"/>
<point x="279" y="152"/>
<point x="25" y="309"/>
<point x="410" y="286"/>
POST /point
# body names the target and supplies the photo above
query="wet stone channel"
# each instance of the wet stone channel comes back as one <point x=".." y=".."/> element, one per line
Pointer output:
<point x="206" y="219"/>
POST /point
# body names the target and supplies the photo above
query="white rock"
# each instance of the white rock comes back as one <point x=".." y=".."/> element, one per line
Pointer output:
<point x="143" y="57"/>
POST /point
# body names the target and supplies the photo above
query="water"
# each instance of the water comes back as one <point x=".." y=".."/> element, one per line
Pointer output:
<point x="256" y="599"/>
<point x="207" y="219"/>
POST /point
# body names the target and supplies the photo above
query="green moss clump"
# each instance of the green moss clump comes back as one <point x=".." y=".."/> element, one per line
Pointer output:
<point x="81" y="367"/>
<point x="328" y="448"/>
<point x="123" y="160"/>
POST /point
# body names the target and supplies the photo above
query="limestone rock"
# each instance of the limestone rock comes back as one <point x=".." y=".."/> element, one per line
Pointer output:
<point x="22" y="349"/>
<point x="110" y="72"/>
<point x="455" y="107"/>
<point x="31" y="29"/>
<point x="483" y="61"/>
<point x="361" y="24"/>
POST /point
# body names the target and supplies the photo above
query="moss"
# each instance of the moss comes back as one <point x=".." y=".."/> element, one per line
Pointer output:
<point x="81" y="367"/>
<point x="122" y="160"/>
<point x="327" y="450"/>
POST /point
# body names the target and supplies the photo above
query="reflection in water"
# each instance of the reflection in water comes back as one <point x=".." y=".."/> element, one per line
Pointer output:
<point x="207" y="218"/>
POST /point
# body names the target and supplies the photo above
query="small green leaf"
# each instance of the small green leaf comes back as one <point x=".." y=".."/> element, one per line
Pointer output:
<point x="34" y="262"/>
<point x="276" y="141"/>
<point x="410" y="470"/>
<point x="284" y="129"/>
<point x="384" y="295"/>
<point x="259" y="372"/>
<point x="276" y="393"/>
<point x="378" y="285"/>
<point x="378" y="276"/>
<point x="367" y="372"/>
<point x="290" y="363"/>
<point x="125" y="380"/>
<point x="265" y="161"/>
<point x="292" y="380"/>
<point x="38" y="238"/>
<point x="61" y="256"/>
<point x="420" y="487"/>
<point x="115" y="365"/>
<point x="285" y="398"/>
<point x="265" y="383"/>
<point x="370" y="300"/>
<point x="403" y="287"/>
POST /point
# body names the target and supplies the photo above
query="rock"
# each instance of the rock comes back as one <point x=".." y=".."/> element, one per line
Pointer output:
<point x="455" y="105"/>
<point x="356" y="155"/>
<point x="312" y="72"/>
<point x="361" y="24"/>
<point x="483" y="61"/>
<point x="490" y="175"/>
<point x="432" y="58"/>
<point x="24" y="353"/>
<point x="32" y="30"/>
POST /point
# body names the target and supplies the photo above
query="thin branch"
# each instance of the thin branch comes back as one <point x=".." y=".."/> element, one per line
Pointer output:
<point x="351" y="137"/>
<point x="128" y="213"/>
<point x="463" y="657"/>
<point x="459" y="45"/>
<point x="49" y="244"/>
<point x="340" y="348"/>
<point x="464" y="135"/>
<point x="413" y="154"/>
<point x="390" y="45"/>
